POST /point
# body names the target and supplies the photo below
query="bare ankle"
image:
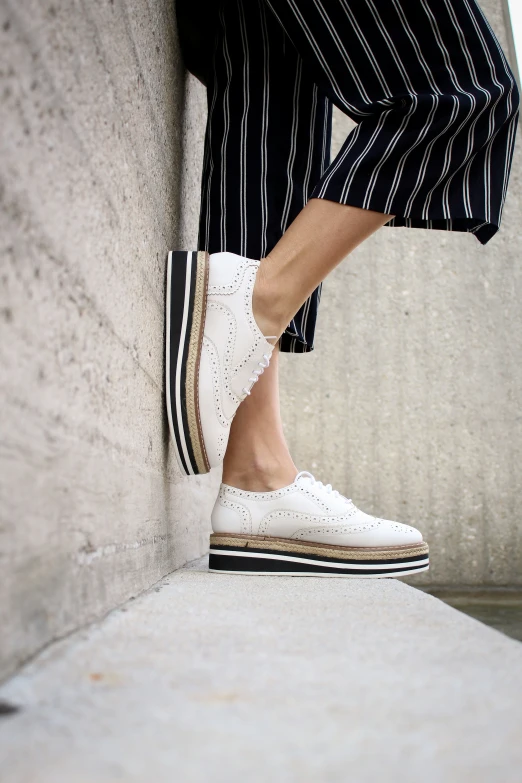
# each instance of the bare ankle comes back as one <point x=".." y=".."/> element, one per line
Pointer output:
<point x="267" y="303"/>
<point x="259" y="476"/>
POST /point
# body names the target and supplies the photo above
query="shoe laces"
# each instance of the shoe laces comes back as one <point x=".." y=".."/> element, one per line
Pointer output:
<point x="258" y="372"/>
<point x="326" y="487"/>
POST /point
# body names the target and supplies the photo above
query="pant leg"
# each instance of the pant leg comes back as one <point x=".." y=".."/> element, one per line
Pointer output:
<point x="435" y="102"/>
<point x="267" y="143"/>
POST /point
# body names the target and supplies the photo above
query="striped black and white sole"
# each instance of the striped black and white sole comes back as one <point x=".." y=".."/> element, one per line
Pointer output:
<point x="244" y="554"/>
<point x="187" y="276"/>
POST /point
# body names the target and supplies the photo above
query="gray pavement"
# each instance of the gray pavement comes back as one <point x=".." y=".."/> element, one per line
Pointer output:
<point x="234" y="678"/>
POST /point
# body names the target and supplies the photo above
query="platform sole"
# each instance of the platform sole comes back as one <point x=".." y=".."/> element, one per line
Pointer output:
<point x="243" y="554"/>
<point x="187" y="276"/>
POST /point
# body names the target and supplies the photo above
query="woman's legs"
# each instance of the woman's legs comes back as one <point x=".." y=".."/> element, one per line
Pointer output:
<point x="257" y="457"/>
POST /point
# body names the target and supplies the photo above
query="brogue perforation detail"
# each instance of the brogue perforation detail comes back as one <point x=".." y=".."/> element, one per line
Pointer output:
<point x="229" y="349"/>
<point x="252" y="324"/>
<point x="263" y="527"/>
<point x="399" y="527"/>
<point x="234" y="286"/>
<point x="333" y="531"/>
<point x="328" y="525"/>
<point x="275" y="495"/>
<point x="230" y="371"/>
<point x="221" y="445"/>
<point x="214" y="367"/>
<point x="246" y="519"/>
<point x="313" y="496"/>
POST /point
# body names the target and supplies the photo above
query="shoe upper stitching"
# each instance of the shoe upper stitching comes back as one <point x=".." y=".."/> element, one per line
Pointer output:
<point x="251" y="322"/>
<point x="231" y="372"/>
<point x="332" y="531"/>
<point x="221" y="446"/>
<point x="229" y="348"/>
<point x="275" y="495"/>
<point x="263" y="526"/>
<point x="216" y="386"/>
<point x="316" y="499"/>
<point x="235" y="285"/>
<point x="246" y="519"/>
<point x="330" y="525"/>
<point x="279" y="493"/>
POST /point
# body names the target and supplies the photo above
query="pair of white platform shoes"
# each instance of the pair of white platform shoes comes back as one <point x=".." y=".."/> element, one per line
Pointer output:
<point x="215" y="353"/>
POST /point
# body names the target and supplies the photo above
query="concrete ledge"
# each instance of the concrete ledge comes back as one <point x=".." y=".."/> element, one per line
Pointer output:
<point x="247" y="678"/>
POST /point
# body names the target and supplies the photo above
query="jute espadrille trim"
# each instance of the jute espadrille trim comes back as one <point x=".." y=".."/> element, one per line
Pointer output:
<point x="194" y="353"/>
<point x="323" y="550"/>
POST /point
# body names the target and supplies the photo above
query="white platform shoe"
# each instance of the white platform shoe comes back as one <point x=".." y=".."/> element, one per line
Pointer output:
<point x="309" y="529"/>
<point x="215" y="352"/>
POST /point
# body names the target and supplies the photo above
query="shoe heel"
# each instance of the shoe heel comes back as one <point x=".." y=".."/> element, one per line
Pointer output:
<point x="187" y="276"/>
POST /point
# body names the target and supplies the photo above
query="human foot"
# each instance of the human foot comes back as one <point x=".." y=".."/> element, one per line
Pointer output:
<point x="215" y="351"/>
<point x="306" y="529"/>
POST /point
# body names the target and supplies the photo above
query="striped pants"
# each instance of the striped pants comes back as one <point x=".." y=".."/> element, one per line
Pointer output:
<point x="428" y="85"/>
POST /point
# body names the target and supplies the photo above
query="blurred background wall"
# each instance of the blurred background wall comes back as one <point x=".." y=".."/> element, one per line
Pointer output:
<point x="417" y="415"/>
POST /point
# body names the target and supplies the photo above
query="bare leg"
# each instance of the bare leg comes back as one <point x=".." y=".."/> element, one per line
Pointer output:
<point x="257" y="457"/>
<point x="320" y="237"/>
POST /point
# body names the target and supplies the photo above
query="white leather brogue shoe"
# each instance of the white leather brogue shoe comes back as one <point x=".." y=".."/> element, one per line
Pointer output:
<point x="308" y="529"/>
<point x="215" y="351"/>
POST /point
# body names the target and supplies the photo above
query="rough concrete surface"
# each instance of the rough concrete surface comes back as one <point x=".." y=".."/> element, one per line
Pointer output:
<point x="418" y="415"/>
<point x="91" y="143"/>
<point x="194" y="125"/>
<point x="231" y="678"/>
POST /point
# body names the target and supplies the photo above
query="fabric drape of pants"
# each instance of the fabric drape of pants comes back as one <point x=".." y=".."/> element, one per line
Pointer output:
<point x="427" y="83"/>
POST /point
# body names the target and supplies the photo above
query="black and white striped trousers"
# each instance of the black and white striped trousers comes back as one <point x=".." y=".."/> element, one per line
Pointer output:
<point x="426" y="81"/>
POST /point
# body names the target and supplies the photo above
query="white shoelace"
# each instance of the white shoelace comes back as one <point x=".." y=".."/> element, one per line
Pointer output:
<point x="314" y="482"/>
<point x="257" y="373"/>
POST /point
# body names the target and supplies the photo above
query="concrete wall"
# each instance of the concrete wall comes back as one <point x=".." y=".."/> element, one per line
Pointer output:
<point x="419" y="414"/>
<point x="91" y="141"/>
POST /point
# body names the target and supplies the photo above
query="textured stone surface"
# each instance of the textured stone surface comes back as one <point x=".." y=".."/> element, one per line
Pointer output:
<point x="419" y="413"/>
<point x="194" y="123"/>
<point x="235" y="678"/>
<point x="92" y="506"/>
